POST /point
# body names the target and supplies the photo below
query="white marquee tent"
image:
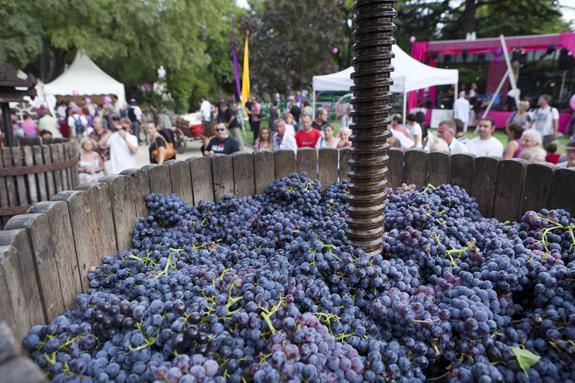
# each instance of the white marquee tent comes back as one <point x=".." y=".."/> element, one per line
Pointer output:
<point x="408" y="75"/>
<point x="83" y="78"/>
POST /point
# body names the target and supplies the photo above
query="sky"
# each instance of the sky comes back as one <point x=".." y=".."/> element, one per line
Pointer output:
<point x="568" y="13"/>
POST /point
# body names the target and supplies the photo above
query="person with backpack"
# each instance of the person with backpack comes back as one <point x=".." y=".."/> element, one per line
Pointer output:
<point x="135" y="116"/>
<point x="160" y="149"/>
<point x="545" y="119"/>
<point x="77" y="122"/>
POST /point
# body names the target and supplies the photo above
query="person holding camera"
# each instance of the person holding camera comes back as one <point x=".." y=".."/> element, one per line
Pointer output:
<point x="123" y="147"/>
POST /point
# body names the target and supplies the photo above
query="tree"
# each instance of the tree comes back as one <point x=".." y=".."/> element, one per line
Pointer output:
<point x="19" y="34"/>
<point x="129" y="39"/>
<point x="292" y="40"/>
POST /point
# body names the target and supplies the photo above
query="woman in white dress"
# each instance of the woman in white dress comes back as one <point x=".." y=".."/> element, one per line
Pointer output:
<point x="328" y="140"/>
<point x="90" y="164"/>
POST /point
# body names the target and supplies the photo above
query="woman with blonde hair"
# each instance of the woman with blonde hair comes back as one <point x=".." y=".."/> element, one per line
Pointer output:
<point x="90" y="164"/>
<point x="520" y="117"/>
<point x="531" y="146"/>
<point x="344" y="142"/>
<point x="290" y="123"/>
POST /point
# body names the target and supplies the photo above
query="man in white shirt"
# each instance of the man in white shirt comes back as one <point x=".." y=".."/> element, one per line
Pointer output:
<point x="545" y="119"/>
<point x="206" y="112"/>
<point x="49" y="123"/>
<point x="282" y="139"/>
<point x="123" y="148"/>
<point x="446" y="130"/>
<point x="461" y="109"/>
<point x="485" y="144"/>
<point x="414" y="130"/>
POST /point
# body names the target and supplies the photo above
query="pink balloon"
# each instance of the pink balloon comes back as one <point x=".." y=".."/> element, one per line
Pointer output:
<point x="107" y="100"/>
<point x="412" y="39"/>
<point x="88" y="101"/>
<point x="572" y="102"/>
<point x="75" y="93"/>
<point x="334" y="51"/>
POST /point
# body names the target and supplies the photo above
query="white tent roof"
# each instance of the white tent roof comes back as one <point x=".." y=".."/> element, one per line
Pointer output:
<point x="84" y="78"/>
<point x="409" y="74"/>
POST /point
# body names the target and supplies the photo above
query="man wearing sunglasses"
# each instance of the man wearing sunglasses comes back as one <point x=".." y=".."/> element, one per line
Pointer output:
<point x="222" y="143"/>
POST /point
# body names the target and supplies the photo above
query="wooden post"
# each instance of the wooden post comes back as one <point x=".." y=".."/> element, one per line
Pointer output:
<point x="62" y="247"/>
<point x="437" y="168"/>
<point x="537" y="186"/>
<point x="285" y="163"/>
<point x="244" y="178"/>
<point x="415" y="167"/>
<point x="182" y="180"/>
<point x="141" y="181"/>
<point x="222" y="176"/>
<point x="92" y="226"/>
<point x="508" y="192"/>
<point x="344" y="157"/>
<point x="264" y="170"/>
<point x="203" y="188"/>
<point x="395" y="166"/>
<point x="160" y="181"/>
<point x="37" y="227"/>
<point x="327" y="167"/>
<point x="484" y="183"/>
<point x="562" y="190"/>
<point x="461" y="169"/>
<point x="20" y="298"/>
<point x="124" y="211"/>
<point x="307" y="162"/>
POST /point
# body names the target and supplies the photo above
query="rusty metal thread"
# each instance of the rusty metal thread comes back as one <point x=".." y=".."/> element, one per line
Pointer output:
<point x="373" y="38"/>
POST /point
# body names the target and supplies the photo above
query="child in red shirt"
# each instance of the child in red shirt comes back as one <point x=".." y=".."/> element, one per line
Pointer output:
<point x="552" y="155"/>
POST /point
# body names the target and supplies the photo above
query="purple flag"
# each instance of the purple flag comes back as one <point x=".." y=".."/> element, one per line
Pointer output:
<point x="236" y="66"/>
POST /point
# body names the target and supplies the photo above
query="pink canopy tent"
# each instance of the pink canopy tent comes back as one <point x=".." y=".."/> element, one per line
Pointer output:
<point x="420" y="50"/>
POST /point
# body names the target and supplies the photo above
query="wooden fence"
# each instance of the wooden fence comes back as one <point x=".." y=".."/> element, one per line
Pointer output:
<point x="46" y="254"/>
<point x="34" y="173"/>
<point x="15" y="368"/>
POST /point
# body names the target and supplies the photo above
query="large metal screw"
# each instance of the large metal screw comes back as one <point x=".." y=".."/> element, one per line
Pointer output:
<point x="373" y="39"/>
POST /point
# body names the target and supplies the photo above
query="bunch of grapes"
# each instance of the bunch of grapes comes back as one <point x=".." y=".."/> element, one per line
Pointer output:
<point x="268" y="288"/>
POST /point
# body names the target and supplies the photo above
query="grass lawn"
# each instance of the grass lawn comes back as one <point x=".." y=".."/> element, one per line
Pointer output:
<point x="499" y="134"/>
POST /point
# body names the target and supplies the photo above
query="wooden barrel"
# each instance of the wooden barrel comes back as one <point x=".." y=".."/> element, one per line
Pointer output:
<point x="46" y="253"/>
<point x="34" y="172"/>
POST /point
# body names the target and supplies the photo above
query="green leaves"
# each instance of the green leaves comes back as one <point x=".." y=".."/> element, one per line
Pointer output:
<point x="525" y="358"/>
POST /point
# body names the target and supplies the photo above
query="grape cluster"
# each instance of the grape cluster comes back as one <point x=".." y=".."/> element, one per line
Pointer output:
<point x="267" y="288"/>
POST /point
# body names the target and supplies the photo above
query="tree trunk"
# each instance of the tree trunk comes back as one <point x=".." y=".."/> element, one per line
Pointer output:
<point x="468" y="18"/>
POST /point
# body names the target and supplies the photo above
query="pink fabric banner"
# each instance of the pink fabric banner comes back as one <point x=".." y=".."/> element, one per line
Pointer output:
<point x="567" y="40"/>
<point x="418" y="52"/>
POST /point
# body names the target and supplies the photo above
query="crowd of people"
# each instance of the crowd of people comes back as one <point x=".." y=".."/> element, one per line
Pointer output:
<point x="109" y="134"/>
<point x="292" y="128"/>
<point x="532" y="135"/>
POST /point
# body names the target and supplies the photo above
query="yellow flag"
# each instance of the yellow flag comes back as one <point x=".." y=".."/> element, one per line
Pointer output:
<point x="246" y="73"/>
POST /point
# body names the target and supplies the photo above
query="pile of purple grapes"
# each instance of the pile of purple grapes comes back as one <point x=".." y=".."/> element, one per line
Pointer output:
<point x="268" y="289"/>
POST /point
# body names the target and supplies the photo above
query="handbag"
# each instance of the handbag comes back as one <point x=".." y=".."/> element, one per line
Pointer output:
<point x="170" y="151"/>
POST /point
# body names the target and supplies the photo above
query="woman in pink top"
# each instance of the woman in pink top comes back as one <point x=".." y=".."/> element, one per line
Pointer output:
<point x="29" y="126"/>
<point x="514" y="147"/>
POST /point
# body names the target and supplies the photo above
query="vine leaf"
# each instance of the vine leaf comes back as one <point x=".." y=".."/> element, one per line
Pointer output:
<point x="525" y="358"/>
